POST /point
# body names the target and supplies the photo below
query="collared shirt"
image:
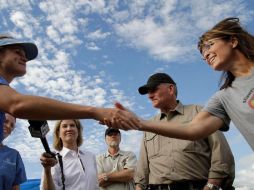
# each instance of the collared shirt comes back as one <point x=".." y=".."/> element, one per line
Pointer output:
<point x="79" y="168"/>
<point x="2" y="114"/>
<point x="120" y="161"/>
<point x="165" y="160"/>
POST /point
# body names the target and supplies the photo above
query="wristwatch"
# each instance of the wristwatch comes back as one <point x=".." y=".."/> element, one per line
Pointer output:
<point x="212" y="186"/>
<point x="105" y="177"/>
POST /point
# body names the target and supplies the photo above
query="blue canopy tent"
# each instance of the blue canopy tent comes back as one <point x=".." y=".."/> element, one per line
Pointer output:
<point x="31" y="184"/>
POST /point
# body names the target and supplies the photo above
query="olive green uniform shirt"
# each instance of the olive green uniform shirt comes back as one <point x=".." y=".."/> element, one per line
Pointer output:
<point x="122" y="160"/>
<point x="163" y="160"/>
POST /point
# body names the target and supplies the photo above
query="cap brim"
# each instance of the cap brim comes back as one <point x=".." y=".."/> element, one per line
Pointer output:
<point x="30" y="49"/>
<point x="144" y="89"/>
<point x="112" y="130"/>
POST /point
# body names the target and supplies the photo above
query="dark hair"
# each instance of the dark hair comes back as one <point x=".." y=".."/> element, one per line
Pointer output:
<point x="226" y="29"/>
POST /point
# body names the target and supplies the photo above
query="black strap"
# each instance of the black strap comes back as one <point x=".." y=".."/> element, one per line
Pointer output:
<point x="82" y="164"/>
<point x="61" y="167"/>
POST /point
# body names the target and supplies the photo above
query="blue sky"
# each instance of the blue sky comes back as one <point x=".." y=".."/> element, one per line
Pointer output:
<point x="96" y="52"/>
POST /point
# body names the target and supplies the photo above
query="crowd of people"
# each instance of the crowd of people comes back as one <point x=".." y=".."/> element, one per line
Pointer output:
<point x="202" y="160"/>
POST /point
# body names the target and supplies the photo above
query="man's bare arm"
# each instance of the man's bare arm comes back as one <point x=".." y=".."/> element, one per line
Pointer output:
<point x="125" y="175"/>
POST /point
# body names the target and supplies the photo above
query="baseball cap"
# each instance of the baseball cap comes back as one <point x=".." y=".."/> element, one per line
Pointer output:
<point x="30" y="48"/>
<point x="111" y="130"/>
<point x="154" y="80"/>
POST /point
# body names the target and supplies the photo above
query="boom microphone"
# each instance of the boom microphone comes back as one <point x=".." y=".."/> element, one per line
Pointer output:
<point x="39" y="129"/>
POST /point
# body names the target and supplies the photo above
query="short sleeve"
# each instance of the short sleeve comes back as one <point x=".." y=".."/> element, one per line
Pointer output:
<point x="215" y="107"/>
<point x="131" y="161"/>
<point x="99" y="164"/>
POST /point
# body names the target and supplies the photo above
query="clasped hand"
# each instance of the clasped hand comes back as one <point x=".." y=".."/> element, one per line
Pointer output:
<point x="122" y="118"/>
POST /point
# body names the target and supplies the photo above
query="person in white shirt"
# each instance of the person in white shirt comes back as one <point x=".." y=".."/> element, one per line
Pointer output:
<point x="78" y="170"/>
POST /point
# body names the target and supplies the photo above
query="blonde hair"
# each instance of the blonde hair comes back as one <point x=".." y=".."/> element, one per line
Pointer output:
<point x="57" y="142"/>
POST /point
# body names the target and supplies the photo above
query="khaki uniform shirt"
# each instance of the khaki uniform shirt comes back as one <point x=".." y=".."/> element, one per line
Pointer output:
<point x="122" y="160"/>
<point x="164" y="160"/>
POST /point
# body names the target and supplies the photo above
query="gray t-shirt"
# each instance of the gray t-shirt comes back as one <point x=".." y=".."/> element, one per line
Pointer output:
<point x="236" y="103"/>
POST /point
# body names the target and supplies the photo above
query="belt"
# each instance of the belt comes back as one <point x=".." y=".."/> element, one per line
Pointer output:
<point x="184" y="185"/>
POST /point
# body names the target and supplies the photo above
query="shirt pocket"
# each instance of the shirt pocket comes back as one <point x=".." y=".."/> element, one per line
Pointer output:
<point x="184" y="145"/>
<point x="153" y="144"/>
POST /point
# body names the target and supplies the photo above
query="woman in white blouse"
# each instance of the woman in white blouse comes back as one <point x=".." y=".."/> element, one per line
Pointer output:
<point x="78" y="170"/>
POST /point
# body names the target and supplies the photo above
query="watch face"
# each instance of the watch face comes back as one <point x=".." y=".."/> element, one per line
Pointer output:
<point x="212" y="187"/>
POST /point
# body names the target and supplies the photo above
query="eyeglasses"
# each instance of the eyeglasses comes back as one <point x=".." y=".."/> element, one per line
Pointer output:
<point x="207" y="46"/>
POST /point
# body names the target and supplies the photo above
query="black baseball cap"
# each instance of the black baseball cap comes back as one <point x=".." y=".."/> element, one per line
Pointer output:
<point x="111" y="130"/>
<point x="154" y="80"/>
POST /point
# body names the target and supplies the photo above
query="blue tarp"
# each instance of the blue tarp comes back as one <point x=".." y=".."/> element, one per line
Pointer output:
<point x="30" y="184"/>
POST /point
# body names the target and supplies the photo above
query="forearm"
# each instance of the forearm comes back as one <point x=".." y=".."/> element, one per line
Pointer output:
<point x="168" y="129"/>
<point x="201" y="126"/>
<point x="125" y="175"/>
<point x="138" y="187"/>
<point x="35" y="107"/>
<point x="48" y="183"/>
<point x="103" y="183"/>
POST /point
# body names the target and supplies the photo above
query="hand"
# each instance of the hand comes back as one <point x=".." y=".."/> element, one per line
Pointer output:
<point x="101" y="176"/>
<point x="101" y="179"/>
<point x="47" y="161"/>
<point x="124" y="119"/>
<point x="121" y="118"/>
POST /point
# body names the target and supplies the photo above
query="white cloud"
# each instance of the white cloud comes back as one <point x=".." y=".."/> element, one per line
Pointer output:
<point x="92" y="46"/>
<point x="98" y="35"/>
<point x="245" y="175"/>
<point x="63" y="20"/>
<point x="169" y="30"/>
<point x="94" y="5"/>
<point x="207" y="13"/>
<point x="53" y="34"/>
<point x="25" y="22"/>
<point x="159" y="41"/>
<point x="63" y="24"/>
<point x="14" y="5"/>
